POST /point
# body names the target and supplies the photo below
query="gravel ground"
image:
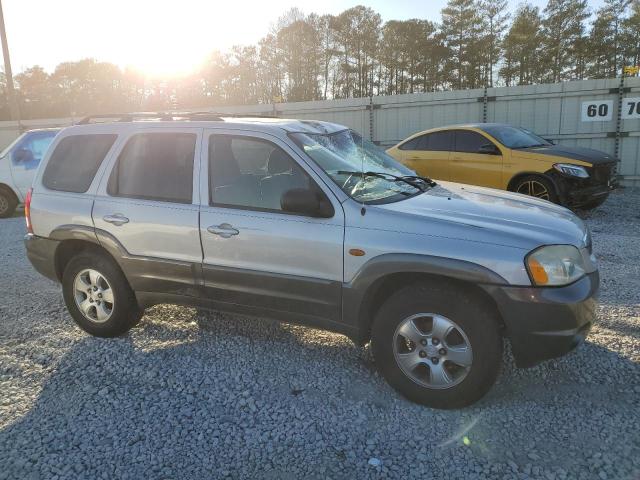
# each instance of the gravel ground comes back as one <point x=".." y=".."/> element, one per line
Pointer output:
<point x="191" y="395"/>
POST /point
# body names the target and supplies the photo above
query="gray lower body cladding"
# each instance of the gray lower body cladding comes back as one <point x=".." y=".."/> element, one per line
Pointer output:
<point x="541" y="323"/>
<point x="544" y="323"/>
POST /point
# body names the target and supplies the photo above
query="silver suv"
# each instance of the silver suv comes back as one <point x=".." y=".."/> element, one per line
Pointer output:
<point x="308" y="222"/>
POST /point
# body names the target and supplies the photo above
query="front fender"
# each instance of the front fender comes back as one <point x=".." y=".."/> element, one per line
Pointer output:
<point x="364" y="288"/>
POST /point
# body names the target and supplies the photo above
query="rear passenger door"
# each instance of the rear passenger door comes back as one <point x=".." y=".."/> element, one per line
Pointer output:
<point x="148" y="204"/>
<point x="256" y="255"/>
<point x="429" y="155"/>
<point x="470" y="165"/>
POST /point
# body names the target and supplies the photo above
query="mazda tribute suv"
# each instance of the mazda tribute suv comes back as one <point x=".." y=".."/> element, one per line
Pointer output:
<point x="308" y="222"/>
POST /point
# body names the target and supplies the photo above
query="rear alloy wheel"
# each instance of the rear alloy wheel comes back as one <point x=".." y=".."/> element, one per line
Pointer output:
<point x="538" y="187"/>
<point x="93" y="295"/>
<point x="98" y="295"/>
<point x="8" y="203"/>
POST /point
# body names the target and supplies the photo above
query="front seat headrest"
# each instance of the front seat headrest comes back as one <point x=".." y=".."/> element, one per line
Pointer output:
<point x="279" y="162"/>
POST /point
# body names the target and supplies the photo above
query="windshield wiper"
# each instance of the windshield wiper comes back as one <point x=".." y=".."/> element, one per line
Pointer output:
<point x="426" y="180"/>
<point x="408" y="179"/>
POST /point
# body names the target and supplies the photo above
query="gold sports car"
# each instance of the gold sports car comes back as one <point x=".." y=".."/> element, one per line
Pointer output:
<point x="510" y="158"/>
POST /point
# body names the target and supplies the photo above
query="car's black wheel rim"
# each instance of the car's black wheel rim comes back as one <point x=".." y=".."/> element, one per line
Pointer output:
<point x="533" y="188"/>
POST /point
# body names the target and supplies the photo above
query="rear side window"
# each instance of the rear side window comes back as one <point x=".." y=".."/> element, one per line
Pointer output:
<point x="75" y="161"/>
<point x="411" y="144"/>
<point x="437" y="142"/>
<point x="155" y="166"/>
<point x="469" y="142"/>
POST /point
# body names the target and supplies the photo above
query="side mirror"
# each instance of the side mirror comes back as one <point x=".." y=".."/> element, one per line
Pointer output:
<point x="22" y="155"/>
<point x="551" y="141"/>
<point x="489" y="149"/>
<point x="311" y="203"/>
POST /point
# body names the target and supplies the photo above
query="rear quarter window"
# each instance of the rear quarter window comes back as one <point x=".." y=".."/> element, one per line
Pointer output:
<point x="75" y="161"/>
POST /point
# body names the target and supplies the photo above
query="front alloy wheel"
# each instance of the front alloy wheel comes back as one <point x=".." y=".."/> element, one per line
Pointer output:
<point x="534" y="188"/>
<point x="438" y="343"/>
<point x="432" y="350"/>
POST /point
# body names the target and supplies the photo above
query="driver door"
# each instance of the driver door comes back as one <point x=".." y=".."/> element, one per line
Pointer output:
<point x="469" y="165"/>
<point x="254" y="254"/>
<point x="429" y="155"/>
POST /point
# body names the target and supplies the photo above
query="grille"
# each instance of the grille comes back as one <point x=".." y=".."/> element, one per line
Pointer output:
<point x="602" y="173"/>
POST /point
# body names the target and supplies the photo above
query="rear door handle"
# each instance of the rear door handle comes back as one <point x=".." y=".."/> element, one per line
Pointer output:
<point x="117" y="219"/>
<point x="223" y="230"/>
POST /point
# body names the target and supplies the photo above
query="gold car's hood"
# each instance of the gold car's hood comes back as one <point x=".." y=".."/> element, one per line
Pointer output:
<point x="564" y="153"/>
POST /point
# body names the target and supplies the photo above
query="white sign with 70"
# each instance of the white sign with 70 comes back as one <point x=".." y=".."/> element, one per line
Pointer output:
<point x="631" y="108"/>
<point x="597" y="111"/>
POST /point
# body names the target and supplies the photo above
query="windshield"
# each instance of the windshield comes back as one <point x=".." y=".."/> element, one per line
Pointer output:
<point x="361" y="169"/>
<point x="11" y="145"/>
<point x="515" y="137"/>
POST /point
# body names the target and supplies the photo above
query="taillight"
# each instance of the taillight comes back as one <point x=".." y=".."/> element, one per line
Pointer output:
<point x="27" y="210"/>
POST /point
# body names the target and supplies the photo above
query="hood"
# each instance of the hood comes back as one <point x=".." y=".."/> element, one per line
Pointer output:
<point x="595" y="157"/>
<point x="491" y="216"/>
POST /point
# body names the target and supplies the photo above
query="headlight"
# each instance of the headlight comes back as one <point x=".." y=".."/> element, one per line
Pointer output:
<point x="555" y="265"/>
<point x="571" y="170"/>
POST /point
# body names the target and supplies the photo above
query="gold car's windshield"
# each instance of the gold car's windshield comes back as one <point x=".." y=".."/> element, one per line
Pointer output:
<point x="361" y="169"/>
<point x="514" y="137"/>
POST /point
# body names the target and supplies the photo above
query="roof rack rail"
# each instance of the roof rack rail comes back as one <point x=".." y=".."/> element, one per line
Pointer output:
<point x="166" y="116"/>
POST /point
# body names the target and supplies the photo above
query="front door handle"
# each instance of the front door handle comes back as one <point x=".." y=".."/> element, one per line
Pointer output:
<point x="223" y="230"/>
<point x="117" y="219"/>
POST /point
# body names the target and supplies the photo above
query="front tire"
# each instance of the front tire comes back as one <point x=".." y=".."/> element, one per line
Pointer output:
<point x="8" y="203"/>
<point x="437" y="345"/>
<point x="98" y="296"/>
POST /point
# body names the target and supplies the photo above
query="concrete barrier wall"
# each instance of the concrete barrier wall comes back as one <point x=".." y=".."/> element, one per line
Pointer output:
<point x="558" y="111"/>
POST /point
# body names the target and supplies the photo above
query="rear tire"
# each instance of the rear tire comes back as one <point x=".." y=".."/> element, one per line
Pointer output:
<point x="432" y="306"/>
<point x="537" y="186"/>
<point x="98" y="295"/>
<point x="8" y="203"/>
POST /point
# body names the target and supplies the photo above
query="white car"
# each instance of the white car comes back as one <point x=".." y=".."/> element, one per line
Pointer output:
<point x="18" y="165"/>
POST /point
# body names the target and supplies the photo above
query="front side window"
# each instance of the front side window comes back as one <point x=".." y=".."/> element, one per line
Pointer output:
<point x="469" y="142"/>
<point x="155" y="166"/>
<point x="251" y="173"/>
<point x="514" y="137"/>
<point x="361" y="169"/>
<point x="75" y="161"/>
<point x="438" y="141"/>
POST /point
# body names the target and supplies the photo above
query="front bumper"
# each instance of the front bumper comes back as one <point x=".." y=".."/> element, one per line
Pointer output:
<point x="41" y="253"/>
<point x="544" y="323"/>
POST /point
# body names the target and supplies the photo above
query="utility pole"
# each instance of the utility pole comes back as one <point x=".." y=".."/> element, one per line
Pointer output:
<point x="13" y="103"/>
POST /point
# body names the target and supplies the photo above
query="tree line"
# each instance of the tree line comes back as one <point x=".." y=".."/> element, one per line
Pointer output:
<point x="476" y="44"/>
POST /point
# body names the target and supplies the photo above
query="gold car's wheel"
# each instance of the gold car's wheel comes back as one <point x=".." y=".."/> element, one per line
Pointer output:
<point x="535" y="186"/>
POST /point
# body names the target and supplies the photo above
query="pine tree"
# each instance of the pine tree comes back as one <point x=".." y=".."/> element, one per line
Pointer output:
<point x="461" y="30"/>
<point x="563" y="29"/>
<point x="522" y="48"/>
<point x="494" y="17"/>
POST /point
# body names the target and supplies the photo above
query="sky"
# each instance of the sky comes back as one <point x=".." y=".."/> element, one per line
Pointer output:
<point x="166" y="37"/>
